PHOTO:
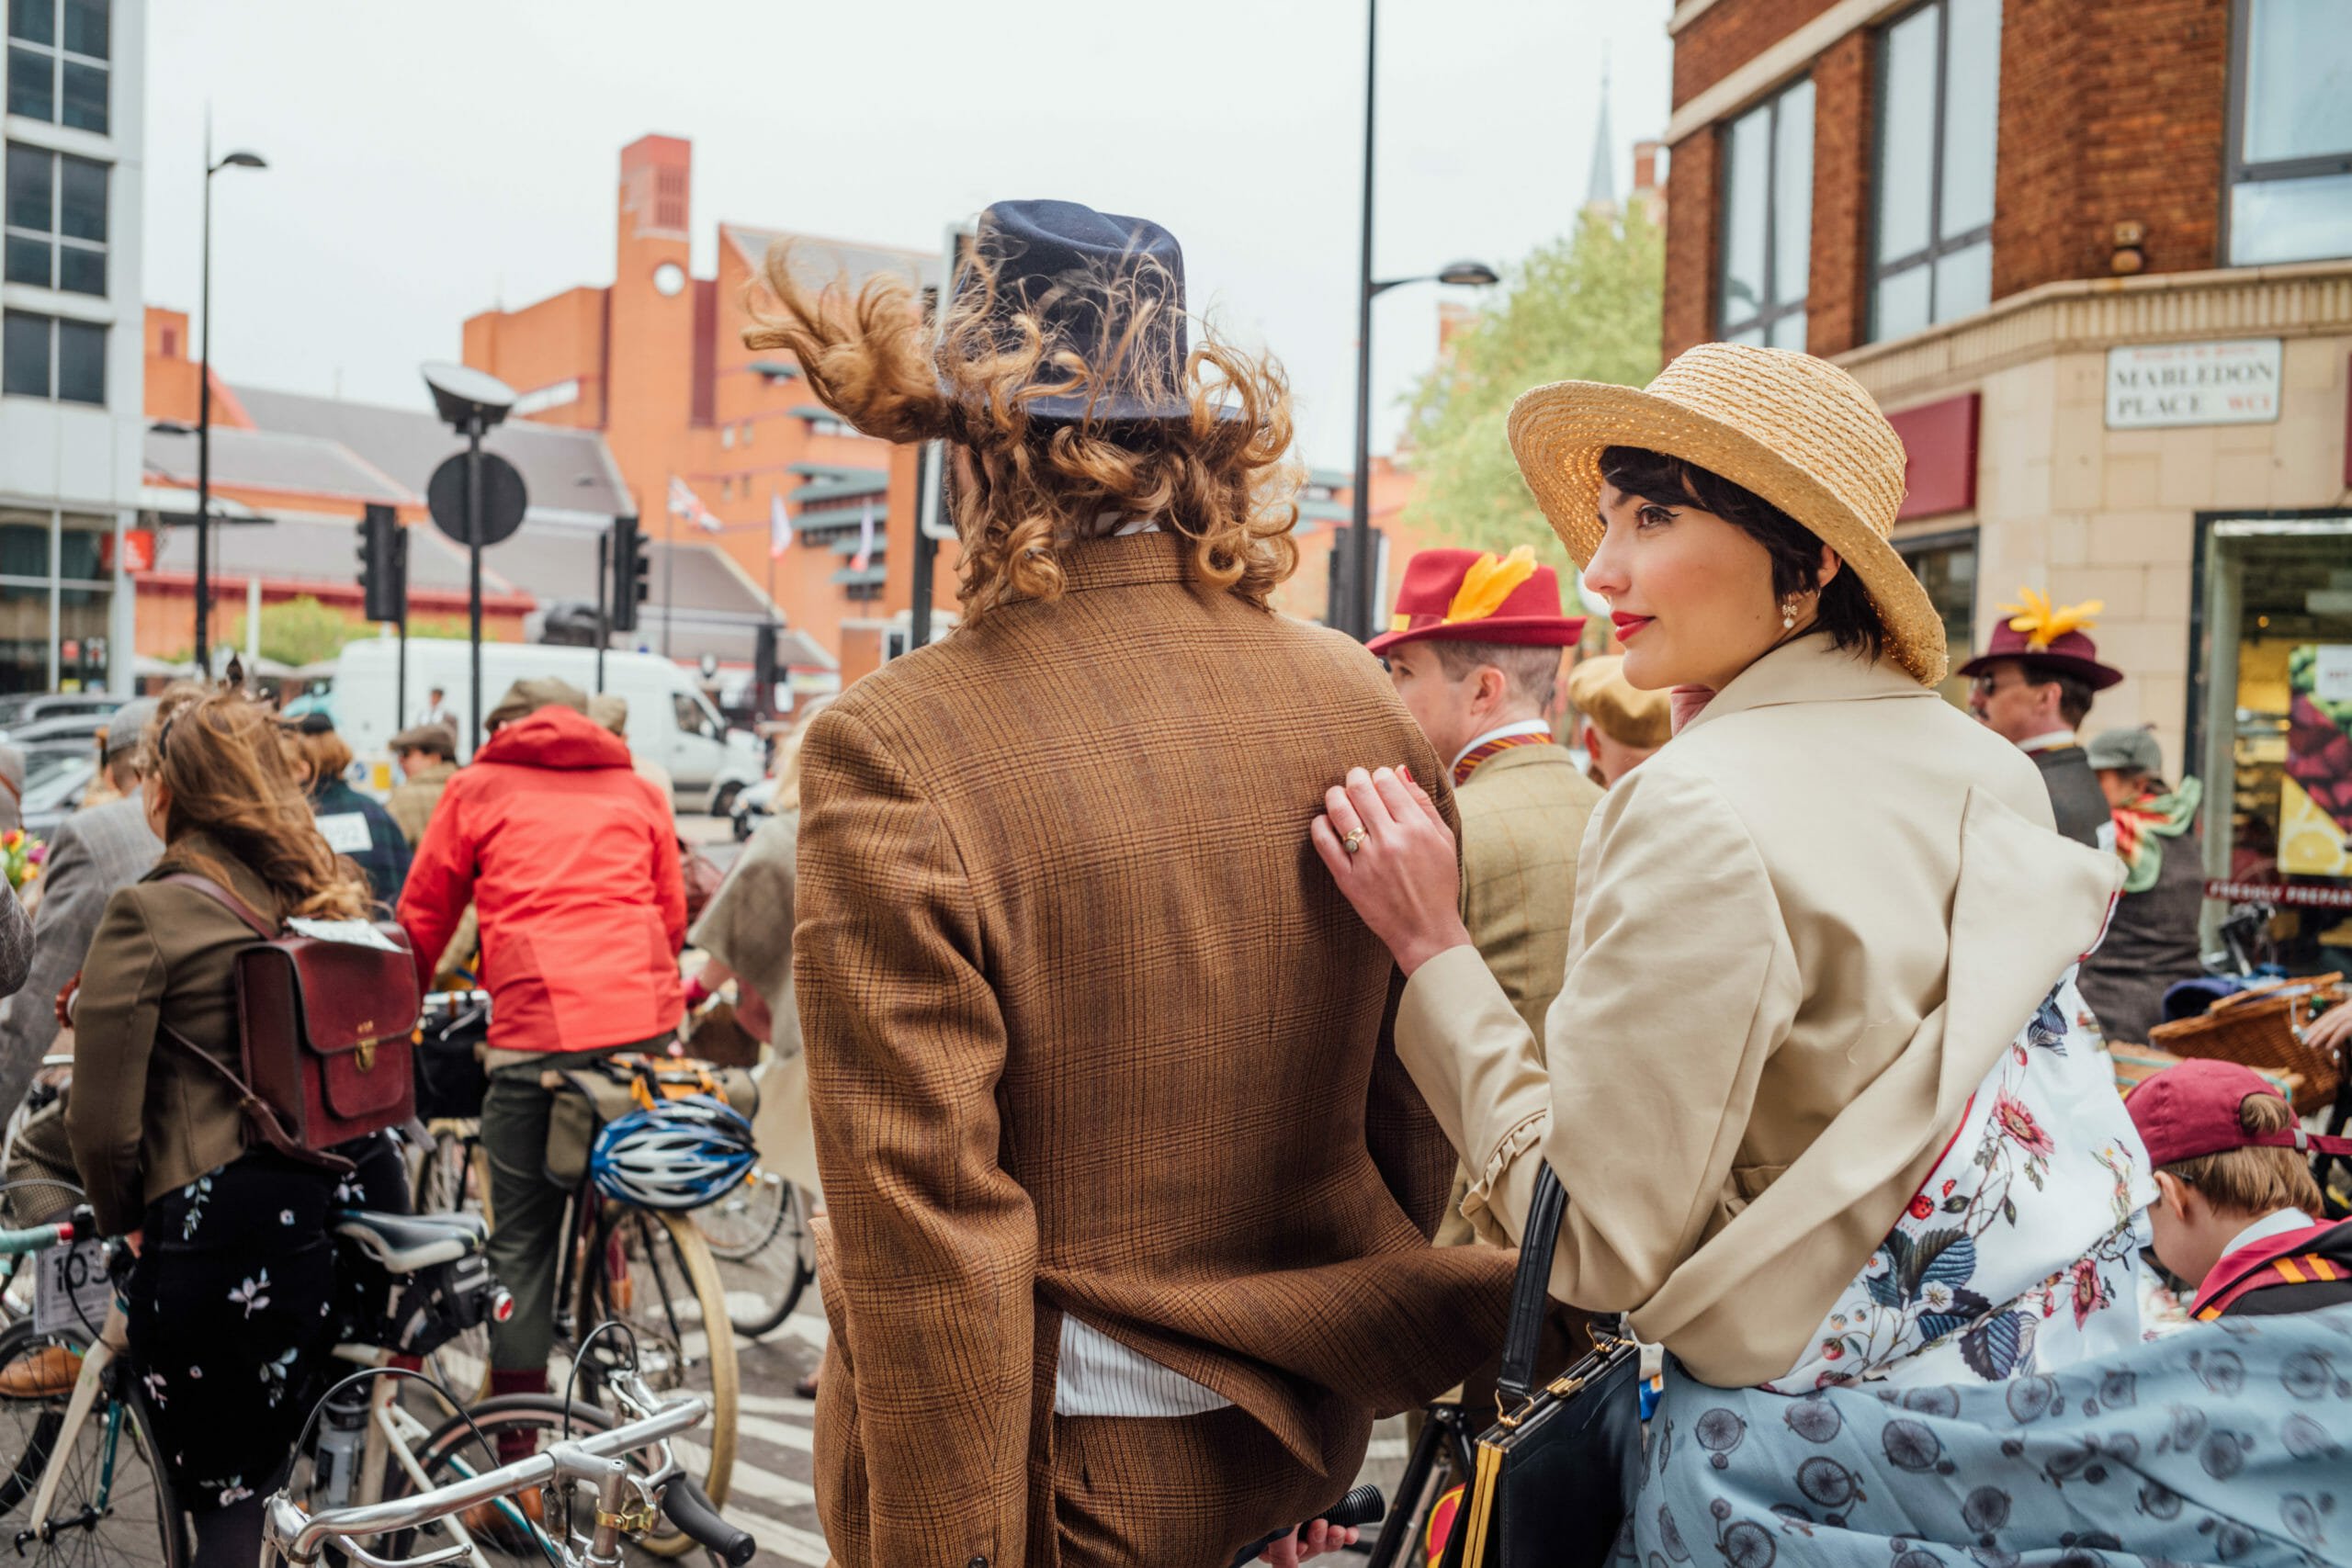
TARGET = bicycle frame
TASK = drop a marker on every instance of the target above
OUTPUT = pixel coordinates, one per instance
(301, 1539)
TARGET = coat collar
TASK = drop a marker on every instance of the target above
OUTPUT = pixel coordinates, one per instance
(1550, 754)
(203, 854)
(1811, 669)
(1126, 561)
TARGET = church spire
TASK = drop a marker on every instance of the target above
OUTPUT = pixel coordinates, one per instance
(1600, 188)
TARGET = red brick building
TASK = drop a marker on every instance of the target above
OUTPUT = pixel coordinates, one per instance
(2091, 255)
(654, 361)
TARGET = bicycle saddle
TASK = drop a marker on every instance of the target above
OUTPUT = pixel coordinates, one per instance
(403, 1244)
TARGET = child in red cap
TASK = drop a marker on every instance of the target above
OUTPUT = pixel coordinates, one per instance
(2236, 1207)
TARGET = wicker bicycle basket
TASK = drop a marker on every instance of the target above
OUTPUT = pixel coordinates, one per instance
(2262, 1027)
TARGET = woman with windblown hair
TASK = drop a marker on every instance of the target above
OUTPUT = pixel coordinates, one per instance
(1129, 1197)
(227, 1304)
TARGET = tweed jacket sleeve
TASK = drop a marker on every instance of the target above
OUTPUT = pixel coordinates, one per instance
(114, 1041)
(16, 945)
(936, 1244)
(73, 895)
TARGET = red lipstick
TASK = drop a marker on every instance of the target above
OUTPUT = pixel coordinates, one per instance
(1627, 624)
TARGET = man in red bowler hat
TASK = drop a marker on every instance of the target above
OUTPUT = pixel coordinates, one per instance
(1474, 651)
(2032, 686)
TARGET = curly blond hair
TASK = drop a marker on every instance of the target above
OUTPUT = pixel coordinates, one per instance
(1028, 487)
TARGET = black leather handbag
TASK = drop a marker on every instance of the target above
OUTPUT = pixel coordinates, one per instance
(1555, 1474)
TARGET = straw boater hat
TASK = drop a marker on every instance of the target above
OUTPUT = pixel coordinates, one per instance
(1796, 429)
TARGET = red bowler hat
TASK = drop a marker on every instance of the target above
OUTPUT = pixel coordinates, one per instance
(2191, 1109)
(1477, 596)
(2050, 637)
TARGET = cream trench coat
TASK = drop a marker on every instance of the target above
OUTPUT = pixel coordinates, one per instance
(1803, 933)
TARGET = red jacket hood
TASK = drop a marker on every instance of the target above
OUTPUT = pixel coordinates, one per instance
(555, 737)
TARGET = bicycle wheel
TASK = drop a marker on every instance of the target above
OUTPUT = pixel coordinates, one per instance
(653, 1272)
(759, 1235)
(113, 1506)
(452, 1179)
(505, 1536)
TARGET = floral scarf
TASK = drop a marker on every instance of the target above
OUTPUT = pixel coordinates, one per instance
(2018, 1254)
(2142, 827)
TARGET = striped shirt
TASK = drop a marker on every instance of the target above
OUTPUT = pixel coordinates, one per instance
(1099, 1376)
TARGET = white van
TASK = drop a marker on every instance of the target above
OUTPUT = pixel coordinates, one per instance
(670, 721)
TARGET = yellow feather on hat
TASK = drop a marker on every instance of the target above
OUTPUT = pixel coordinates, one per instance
(1488, 582)
(2044, 623)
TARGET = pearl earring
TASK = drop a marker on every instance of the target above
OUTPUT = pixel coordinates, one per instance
(1788, 613)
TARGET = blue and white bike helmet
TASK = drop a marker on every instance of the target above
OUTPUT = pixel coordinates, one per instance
(682, 1154)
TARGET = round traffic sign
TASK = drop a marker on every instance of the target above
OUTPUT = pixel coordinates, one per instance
(504, 498)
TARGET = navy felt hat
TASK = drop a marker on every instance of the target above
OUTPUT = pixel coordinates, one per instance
(1052, 260)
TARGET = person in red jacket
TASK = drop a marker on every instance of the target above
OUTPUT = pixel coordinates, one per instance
(572, 864)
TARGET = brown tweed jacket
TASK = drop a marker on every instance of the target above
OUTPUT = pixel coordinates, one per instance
(1091, 1030)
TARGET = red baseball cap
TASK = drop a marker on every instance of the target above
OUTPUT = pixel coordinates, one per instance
(2191, 1109)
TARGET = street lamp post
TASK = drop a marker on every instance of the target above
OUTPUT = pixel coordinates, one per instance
(1358, 619)
(204, 414)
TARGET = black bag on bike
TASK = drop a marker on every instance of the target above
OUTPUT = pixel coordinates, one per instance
(1555, 1474)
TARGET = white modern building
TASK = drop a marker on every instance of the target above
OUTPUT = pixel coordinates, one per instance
(71, 355)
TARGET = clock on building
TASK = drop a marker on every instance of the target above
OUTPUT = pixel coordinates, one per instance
(669, 278)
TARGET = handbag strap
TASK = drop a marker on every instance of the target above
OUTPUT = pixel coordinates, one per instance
(226, 899)
(1530, 1288)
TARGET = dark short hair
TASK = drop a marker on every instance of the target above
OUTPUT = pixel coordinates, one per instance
(1845, 610)
(2074, 694)
(1532, 673)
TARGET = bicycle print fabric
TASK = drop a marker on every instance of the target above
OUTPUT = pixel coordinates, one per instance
(2222, 1444)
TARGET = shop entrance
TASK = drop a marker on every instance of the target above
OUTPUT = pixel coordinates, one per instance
(2270, 722)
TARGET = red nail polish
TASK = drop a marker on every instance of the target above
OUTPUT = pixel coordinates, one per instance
(1405, 772)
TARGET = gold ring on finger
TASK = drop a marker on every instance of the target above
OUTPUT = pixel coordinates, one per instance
(1353, 841)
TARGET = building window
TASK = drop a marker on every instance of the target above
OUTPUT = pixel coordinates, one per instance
(1938, 100)
(56, 220)
(43, 357)
(57, 61)
(1767, 220)
(1945, 564)
(2291, 132)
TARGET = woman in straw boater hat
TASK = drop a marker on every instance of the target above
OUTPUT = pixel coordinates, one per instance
(1834, 1157)
(1128, 1200)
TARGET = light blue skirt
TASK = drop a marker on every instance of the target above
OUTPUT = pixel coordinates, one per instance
(2229, 1443)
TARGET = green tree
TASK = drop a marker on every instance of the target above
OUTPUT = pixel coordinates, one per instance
(1584, 307)
(299, 631)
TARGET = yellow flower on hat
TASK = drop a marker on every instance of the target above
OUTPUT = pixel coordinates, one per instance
(1488, 582)
(2044, 623)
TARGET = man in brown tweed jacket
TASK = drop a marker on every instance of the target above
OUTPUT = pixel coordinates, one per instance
(1129, 1196)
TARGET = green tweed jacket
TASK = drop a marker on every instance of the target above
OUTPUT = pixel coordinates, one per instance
(1523, 813)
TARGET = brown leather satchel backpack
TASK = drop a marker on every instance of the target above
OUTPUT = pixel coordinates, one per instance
(326, 1030)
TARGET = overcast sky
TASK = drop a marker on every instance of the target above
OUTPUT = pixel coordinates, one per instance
(434, 159)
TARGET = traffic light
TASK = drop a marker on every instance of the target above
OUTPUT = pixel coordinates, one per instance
(383, 565)
(764, 667)
(631, 574)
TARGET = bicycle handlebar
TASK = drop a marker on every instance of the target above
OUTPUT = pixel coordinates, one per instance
(300, 1538)
(40, 1238)
(1363, 1505)
(689, 1509)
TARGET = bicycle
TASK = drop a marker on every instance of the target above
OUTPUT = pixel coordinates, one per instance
(514, 1501)
(82, 1460)
(766, 1254)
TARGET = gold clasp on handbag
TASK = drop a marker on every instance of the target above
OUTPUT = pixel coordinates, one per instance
(366, 1051)
(1509, 1420)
